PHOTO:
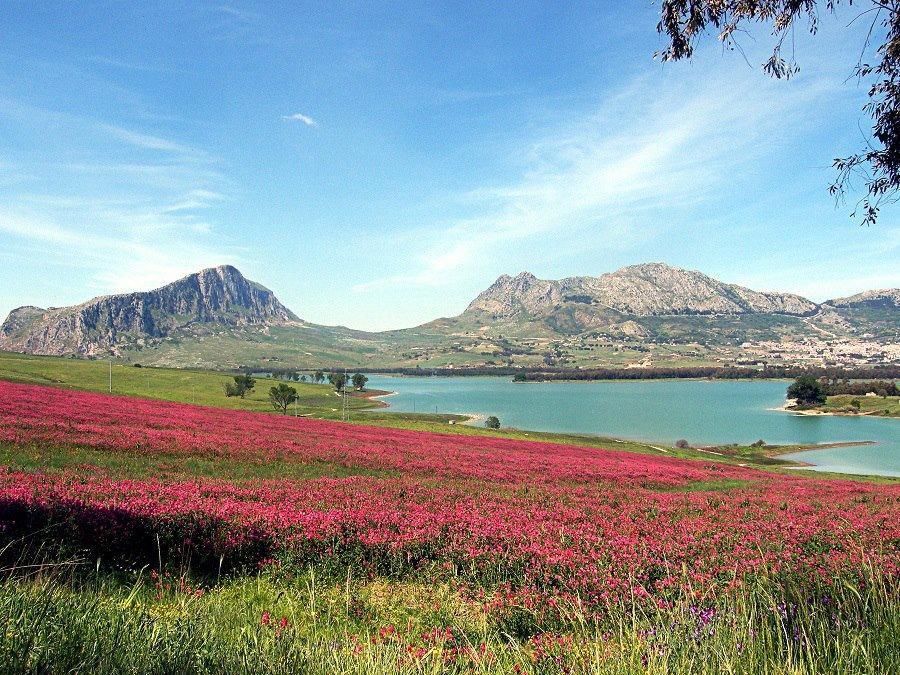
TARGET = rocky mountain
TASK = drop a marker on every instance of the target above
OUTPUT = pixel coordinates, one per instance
(639, 315)
(216, 296)
(653, 289)
(887, 298)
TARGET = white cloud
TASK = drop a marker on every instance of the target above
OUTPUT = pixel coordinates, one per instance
(196, 199)
(127, 257)
(615, 174)
(146, 141)
(122, 225)
(300, 117)
(128, 65)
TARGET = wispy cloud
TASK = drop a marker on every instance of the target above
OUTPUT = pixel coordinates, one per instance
(129, 65)
(133, 256)
(146, 141)
(123, 225)
(300, 117)
(610, 176)
(235, 24)
(196, 199)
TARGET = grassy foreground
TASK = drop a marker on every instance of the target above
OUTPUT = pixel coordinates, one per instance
(144, 537)
(57, 621)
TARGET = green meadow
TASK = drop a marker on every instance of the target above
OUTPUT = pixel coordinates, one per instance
(318, 401)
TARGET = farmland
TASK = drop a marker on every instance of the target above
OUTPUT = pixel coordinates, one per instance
(159, 536)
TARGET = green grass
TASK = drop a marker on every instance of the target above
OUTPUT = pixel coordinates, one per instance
(54, 620)
(888, 406)
(186, 386)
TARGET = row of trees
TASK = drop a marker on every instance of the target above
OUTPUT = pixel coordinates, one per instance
(339, 381)
(812, 391)
(540, 374)
(283, 395)
(861, 388)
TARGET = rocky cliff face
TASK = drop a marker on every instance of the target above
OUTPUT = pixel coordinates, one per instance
(653, 289)
(220, 295)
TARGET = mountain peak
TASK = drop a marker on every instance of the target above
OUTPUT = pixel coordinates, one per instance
(215, 295)
(646, 289)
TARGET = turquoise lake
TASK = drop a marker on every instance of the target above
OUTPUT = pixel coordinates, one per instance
(700, 411)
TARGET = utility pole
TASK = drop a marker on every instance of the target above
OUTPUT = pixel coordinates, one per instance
(110, 374)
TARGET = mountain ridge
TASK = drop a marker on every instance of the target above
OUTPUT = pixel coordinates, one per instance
(218, 318)
(649, 289)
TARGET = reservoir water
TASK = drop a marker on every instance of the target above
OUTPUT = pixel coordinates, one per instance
(700, 411)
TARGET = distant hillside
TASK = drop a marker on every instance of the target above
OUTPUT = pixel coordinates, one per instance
(219, 295)
(650, 315)
(886, 298)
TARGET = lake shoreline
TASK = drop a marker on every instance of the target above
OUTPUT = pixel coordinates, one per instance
(714, 416)
(818, 412)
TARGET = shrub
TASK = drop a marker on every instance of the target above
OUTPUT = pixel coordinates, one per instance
(682, 444)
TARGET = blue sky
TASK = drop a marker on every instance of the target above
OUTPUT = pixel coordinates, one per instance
(378, 164)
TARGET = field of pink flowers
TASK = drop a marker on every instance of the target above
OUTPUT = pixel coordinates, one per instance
(518, 522)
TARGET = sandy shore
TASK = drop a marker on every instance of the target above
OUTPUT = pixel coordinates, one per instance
(378, 393)
(475, 419)
(788, 408)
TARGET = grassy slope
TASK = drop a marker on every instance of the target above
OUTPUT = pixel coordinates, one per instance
(872, 405)
(476, 340)
(73, 618)
(185, 386)
(319, 401)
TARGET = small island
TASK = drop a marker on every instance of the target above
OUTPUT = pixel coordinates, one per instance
(808, 395)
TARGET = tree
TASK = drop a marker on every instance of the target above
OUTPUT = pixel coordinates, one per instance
(682, 444)
(245, 383)
(338, 380)
(807, 390)
(281, 396)
(319, 377)
(492, 422)
(359, 381)
(878, 165)
(242, 384)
